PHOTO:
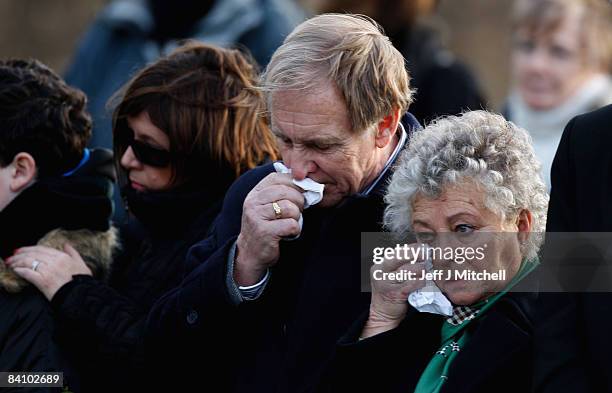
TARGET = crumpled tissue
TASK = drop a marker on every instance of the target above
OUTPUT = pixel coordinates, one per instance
(429, 298)
(313, 191)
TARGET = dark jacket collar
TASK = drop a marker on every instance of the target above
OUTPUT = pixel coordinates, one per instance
(505, 330)
(48, 204)
(170, 213)
(411, 125)
(79, 201)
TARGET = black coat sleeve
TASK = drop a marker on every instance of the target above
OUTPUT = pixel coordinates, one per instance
(91, 314)
(27, 340)
(560, 339)
(358, 365)
(562, 205)
(555, 319)
(387, 362)
(200, 313)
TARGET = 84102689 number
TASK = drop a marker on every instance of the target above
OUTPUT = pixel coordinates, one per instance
(31, 379)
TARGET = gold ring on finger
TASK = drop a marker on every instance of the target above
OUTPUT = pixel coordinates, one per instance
(278, 212)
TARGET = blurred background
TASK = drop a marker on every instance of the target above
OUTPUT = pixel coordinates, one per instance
(538, 62)
(476, 31)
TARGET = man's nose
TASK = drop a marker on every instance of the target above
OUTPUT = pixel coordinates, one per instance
(301, 166)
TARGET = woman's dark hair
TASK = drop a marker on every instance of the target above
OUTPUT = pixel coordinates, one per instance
(205, 99)
(41, 115)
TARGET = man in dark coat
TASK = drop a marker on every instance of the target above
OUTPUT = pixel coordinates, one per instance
(266, 307)
(573, 337)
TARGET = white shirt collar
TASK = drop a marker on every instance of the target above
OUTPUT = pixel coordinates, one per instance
(390, 161)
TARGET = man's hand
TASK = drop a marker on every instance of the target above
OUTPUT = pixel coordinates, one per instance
(261, 230)
(53, 268)
(390, 297)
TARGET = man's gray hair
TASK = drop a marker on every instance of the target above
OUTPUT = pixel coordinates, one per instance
(351, 52)
(477, 146)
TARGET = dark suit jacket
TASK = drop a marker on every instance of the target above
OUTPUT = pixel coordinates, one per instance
(497, 357)
(574, 343)
(581, 176)
(279, 342)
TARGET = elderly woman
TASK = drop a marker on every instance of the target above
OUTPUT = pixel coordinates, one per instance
(185, 128)
(464, 181)
(561, 64)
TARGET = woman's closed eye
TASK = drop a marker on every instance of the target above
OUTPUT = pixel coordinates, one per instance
(322, 148)
(151, 146)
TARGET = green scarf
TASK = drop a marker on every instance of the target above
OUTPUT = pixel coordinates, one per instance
(454, 337)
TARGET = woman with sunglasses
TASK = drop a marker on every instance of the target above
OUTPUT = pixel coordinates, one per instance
(184, 129)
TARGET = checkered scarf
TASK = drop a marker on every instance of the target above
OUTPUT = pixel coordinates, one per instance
(462, 314)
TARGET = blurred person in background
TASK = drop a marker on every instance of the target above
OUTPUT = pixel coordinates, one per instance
(54, 192)
(128, 34)
(561, 61)
(443, 85)
(184, 129)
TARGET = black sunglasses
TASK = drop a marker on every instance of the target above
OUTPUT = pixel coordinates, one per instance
(146, 153)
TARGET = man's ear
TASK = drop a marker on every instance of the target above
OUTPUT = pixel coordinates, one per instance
(524, 223)
(386, 129)
(23, 172)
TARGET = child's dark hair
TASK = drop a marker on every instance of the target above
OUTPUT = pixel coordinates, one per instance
(41, 115)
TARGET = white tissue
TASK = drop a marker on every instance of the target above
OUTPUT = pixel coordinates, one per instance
(429, 298)
(313, 191)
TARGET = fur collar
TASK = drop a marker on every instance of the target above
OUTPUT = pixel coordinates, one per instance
(96, 247)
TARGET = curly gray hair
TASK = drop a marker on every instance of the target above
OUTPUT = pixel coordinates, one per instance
(479, 146)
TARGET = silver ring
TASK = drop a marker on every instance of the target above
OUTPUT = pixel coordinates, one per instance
(35, 265)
